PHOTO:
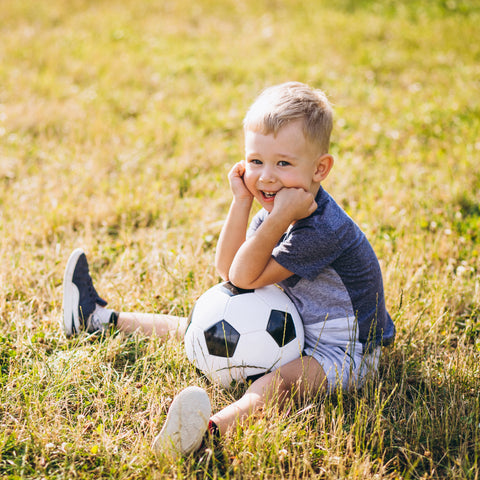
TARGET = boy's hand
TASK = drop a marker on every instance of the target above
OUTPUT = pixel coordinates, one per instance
(294, 204)
(235, 177)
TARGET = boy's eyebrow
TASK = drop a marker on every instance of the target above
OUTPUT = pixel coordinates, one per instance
(286, 155)
(278, 155)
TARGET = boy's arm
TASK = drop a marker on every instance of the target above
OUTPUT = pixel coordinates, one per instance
(234, 230)
(232, 236)
(253, 265)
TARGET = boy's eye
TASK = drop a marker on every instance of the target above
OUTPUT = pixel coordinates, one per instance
(283, 163)
(255, 161)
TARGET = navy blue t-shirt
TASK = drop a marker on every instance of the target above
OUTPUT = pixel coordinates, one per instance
(336, 273)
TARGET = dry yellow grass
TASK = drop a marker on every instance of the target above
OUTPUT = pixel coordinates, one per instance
(118, 124)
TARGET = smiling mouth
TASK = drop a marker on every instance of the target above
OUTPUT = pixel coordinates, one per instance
(269, 194)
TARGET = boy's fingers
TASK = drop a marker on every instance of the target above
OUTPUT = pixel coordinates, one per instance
(238, 169)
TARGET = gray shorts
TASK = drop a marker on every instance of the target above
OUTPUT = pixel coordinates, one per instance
(337, 349)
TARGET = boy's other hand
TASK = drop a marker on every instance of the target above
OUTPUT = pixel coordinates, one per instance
(294, 203)
(235, 177)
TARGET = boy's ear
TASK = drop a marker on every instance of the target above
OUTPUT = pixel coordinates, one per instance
(323, 165)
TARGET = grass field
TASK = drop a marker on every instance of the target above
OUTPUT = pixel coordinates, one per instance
(118, 124)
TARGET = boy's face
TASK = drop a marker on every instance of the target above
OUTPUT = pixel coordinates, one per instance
(285, 161)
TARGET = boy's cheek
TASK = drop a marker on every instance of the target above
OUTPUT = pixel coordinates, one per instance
(247, 178)
(252, 191)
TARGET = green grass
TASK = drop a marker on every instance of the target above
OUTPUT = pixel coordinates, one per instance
(118, 124)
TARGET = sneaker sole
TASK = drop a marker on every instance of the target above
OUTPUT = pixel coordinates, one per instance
(71, 296)
(186, 423)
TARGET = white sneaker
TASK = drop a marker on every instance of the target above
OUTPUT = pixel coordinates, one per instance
(186, 423)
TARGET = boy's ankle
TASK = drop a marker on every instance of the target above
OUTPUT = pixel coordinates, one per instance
(114, 318)
(213, 430)
(102, 319)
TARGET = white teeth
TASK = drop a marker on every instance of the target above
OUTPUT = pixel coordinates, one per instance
(269, 195)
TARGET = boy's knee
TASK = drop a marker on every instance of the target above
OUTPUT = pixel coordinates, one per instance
(303, 377)
(267, 385)
(300, 378)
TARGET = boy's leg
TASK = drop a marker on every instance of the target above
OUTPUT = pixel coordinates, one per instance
(83, 309)
(303, 378)
(187, 419)
(152, 324)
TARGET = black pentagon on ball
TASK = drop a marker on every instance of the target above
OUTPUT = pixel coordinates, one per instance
(221, 339)
(281, 327)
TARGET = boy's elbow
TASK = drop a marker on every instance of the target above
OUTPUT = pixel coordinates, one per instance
(239, 282)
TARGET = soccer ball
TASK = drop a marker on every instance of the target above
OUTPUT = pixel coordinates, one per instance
(234, 334)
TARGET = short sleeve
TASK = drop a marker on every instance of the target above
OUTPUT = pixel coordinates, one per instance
(306, 250)
(257, 220)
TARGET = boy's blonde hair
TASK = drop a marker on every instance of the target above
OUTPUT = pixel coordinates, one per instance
(279, 105)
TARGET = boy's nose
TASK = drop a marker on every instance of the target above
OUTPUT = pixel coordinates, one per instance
(267, 176)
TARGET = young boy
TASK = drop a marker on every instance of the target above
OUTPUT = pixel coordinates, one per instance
(301, 240)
